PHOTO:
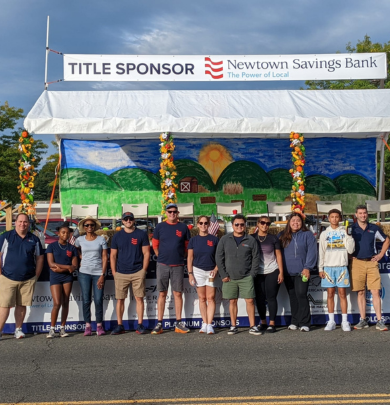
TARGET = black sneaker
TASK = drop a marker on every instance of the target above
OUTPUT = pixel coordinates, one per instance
(233, 330)
(118, 330)
(141, 330)
(254, 330)
(157, 329)
(262, 327)
(271, 329)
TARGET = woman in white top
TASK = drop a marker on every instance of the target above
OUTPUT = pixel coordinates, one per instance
(92, 271)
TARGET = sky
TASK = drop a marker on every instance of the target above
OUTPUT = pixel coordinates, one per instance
(171, 27)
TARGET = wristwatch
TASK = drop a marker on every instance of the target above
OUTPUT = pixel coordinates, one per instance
(190, 272)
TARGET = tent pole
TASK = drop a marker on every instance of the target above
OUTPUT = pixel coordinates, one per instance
(47, 50)
(381, 188)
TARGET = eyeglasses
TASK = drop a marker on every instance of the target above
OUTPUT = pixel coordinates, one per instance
(127, 219)
(203, 223)
(241, 225)
(172, 212)
(265, 223)
(89, 225)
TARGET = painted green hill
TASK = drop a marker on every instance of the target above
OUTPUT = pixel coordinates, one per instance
(281, 179)
(249, 174)
(87, 179)
(320, 185)
(190, 168)
(354, 183)
(136, 179)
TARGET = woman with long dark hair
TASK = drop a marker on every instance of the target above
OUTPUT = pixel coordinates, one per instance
(299, 252)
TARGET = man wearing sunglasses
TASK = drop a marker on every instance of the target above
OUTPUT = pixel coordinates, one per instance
(129, 259)
(170, 241)
(238, 263)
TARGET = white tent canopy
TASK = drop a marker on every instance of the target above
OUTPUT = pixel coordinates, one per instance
(270, 114)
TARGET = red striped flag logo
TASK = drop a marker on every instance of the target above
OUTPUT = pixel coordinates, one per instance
(214, 69)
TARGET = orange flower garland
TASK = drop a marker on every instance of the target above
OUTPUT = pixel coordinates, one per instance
(297, 172)
(167, 171)
(26, 174)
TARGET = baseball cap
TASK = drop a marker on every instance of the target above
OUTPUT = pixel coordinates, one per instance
(171, 205)
(128, 215)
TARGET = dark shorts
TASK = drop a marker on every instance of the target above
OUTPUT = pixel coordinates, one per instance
(173, 273)
(60, 278)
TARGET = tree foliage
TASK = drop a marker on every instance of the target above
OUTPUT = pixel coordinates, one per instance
(365, 46)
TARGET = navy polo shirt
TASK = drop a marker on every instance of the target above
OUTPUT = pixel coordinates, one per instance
(130, 258)
(365, 240)
(19, 255)
(172, 238)
(204, 248)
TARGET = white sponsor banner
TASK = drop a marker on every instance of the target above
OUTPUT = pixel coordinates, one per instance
(224, 67)
(38, 315)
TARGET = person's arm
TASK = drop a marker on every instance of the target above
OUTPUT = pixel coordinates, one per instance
(321, 256)
(39, 265)
(190, 269)
(155, 244)
(220, 259)
(311, 254)
(100, 282)
(113, 257)
(279, 260)
(255, 259)
(146, 253)
(385, 246)
(0, 262)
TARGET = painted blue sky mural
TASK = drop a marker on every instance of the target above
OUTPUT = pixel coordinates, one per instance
(327, 156)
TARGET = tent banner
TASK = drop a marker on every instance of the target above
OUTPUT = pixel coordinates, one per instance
(187, 68)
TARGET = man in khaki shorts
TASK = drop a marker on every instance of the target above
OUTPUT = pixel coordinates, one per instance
(21, 263)
(129, 259)
(365, 269)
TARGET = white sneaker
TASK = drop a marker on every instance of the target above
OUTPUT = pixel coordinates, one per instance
(293, 327)
(346, 326)
(52, 334)
(63, 333)
(331, 325)
(19, 334)
(305, 329)
(210, 330)
(203, 329)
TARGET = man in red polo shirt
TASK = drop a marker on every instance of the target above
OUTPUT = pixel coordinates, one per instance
(170, 241)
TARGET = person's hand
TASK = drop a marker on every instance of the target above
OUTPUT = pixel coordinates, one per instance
(376, 258)
(72, 268)
(306, 272)
(226, 279)
(280, 278)
(321, 274)
(192, 279)
(55, 269)
(100, 283)
(213, 273)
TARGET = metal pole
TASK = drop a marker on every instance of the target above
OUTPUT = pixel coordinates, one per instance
(381, 187)
(47, 50)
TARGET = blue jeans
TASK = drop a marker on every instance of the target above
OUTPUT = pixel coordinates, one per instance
(87, 283)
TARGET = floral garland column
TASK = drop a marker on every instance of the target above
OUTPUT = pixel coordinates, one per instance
(297, 172)
(26, 175)
(167, 171)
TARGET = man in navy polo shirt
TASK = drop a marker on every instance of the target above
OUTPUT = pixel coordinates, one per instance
(129, 259)
(21, 263)
(170, 241)
(365, 269)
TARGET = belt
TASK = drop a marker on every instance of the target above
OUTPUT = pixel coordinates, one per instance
(365, 260)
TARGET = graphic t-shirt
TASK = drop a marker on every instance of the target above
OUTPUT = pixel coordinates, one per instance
(172, 238)
(130, 258)
(267, 246)
(91, 255)
(204, 248)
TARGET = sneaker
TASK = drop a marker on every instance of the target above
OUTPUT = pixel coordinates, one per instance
(255, 331)
(141, 330)
(233, 330)
(270, 329)
(262, 327)
(19, 334)
(118, 330)
(331, 325)
(305, 329)
(203, 329)
(63, 333)
(88, 331)
(362, 324)
(380, 325)
(100, 331)
(346, 326)
(210, 330)
(157, 329)
(293, 327)
(181, 327)
(52, 334)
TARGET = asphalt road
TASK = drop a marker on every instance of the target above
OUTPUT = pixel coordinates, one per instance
(171, 366)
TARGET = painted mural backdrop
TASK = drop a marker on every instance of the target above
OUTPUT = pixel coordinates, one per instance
(250, 170)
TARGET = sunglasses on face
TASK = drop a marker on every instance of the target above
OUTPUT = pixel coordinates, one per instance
(265, 223)
(203, 223)
(127, 219)
(241, 225)
(89, 225)
(172, 212)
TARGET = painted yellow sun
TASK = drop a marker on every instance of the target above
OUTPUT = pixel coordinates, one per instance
(214, 158)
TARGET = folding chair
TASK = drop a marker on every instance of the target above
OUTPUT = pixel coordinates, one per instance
(82, 211)
(139, 211)
(228, 208)
(279, 208)
(186, 210)
(378, 206)
(323, 207)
